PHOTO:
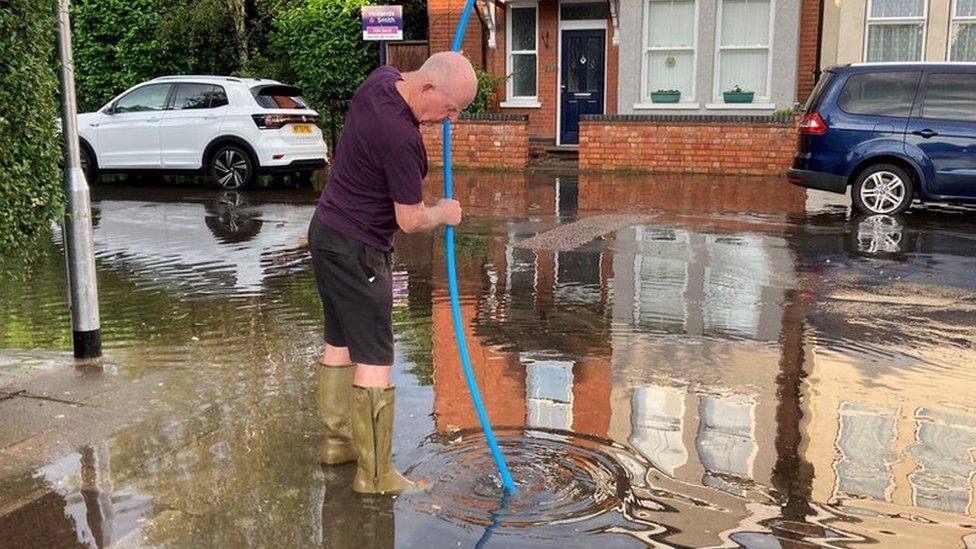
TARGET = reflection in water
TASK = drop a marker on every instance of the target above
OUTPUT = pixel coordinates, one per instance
(736, 371)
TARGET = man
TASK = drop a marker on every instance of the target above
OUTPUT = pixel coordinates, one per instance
(374, 188)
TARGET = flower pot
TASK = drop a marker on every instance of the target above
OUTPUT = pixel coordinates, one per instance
(738, 97)
(665, 97)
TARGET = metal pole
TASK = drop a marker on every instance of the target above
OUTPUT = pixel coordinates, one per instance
(382, 52)
(77, 228)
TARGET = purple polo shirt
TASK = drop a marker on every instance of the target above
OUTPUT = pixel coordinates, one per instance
(380, 159)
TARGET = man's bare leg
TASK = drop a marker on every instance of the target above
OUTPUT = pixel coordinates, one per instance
(334, 356)
(372, 375)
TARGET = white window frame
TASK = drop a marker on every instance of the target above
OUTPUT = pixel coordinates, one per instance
(645, 94)
(879, 21)
(761, 100)
(955, 22)
(511, 100)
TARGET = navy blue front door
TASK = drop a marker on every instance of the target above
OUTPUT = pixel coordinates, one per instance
(582, 88)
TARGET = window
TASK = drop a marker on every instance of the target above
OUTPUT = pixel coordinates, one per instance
(199, 96)
(669, 47)
(882, 94)
(950, 97)
(744, 46)
(522, 52)
(581, 11)
(146, 98)
(896, 30)
(962, 34)
(279, 97)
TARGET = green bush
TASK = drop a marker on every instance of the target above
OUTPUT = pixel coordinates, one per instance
(487, 94)
(318, 46)
(30, 189)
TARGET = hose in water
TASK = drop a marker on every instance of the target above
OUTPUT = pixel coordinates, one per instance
(452, 284)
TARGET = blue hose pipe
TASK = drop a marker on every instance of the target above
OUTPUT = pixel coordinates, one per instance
(453, 287)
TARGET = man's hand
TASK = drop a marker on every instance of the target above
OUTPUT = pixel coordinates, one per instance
(417, 218)
(450, 211)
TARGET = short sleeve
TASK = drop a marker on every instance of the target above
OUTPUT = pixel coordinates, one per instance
(405, 168)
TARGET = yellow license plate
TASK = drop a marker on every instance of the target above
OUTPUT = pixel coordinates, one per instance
(304, 129)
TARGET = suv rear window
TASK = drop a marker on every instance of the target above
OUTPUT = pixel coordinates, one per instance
(813, 102)
(279, 97)
(950, 97)
(884, 94)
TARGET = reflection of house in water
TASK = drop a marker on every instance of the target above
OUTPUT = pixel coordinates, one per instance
(691, 347)
(911, 442)
(584, 340)
(888, 412)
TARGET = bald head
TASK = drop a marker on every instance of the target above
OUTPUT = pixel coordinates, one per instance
(451, 70)
(444, 86)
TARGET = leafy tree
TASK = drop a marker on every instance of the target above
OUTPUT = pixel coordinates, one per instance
(317, 45)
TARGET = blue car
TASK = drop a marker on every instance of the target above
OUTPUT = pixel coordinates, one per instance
(893, 132)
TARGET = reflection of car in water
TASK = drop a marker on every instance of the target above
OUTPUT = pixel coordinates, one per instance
(930, 247)
(200, 241)
(230, 219)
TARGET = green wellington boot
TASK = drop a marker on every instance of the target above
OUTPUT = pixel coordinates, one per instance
(372, 433)
(335, 388)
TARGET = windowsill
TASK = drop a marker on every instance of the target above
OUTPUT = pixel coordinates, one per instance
(666, 106)
(520, 104)
(741, 106)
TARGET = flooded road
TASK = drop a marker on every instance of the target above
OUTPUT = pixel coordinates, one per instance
(668, 361)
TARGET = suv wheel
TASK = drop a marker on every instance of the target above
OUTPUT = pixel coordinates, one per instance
(232, 168)
(88, 166)
(883, 189)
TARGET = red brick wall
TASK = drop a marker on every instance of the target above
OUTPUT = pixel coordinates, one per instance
(807, 48)
(480, 144)
(713, 147)
(443, 16)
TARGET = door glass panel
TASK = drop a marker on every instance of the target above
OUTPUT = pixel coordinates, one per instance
(147, 98)
(193, 96)
(575, 67)
(951, 97)
(594, 62)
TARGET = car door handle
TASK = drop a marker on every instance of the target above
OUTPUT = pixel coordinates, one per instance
(151, 120)
(210, 117)
(926, 133)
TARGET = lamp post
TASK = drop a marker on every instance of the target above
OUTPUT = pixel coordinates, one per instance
(77, 229)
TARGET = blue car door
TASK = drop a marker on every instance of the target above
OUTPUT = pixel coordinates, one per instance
(943, 131)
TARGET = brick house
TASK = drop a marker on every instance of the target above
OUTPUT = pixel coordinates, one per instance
(898, 30)
(570, 58)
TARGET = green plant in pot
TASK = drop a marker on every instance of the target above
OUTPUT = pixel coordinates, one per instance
(666, 96)
(738, 95)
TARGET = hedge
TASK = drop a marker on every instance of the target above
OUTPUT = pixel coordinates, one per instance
(30, 188)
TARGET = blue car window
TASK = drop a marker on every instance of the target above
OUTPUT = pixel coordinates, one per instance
(950, 97)
(880, 94)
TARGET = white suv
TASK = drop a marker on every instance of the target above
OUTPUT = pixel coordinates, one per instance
(231, 128)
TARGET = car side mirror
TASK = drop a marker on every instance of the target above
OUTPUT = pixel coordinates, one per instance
(110, 110)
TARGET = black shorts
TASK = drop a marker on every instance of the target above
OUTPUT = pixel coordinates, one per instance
(356, 287)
